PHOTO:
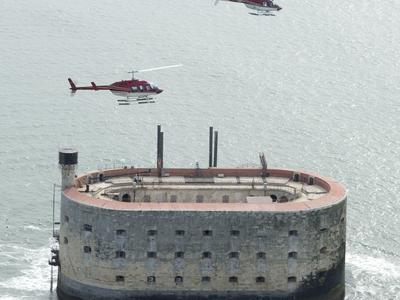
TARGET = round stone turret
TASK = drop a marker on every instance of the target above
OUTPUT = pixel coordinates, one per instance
(68, 160)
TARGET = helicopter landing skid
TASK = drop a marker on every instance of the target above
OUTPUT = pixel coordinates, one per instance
(267, 14)
(135, 101)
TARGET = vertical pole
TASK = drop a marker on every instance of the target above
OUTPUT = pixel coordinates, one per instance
(158, 141)
(210, 148)
(162, 149)
(54, 204)
(215, 148)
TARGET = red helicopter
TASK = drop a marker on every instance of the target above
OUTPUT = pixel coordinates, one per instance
(263, 7)
(135, 90)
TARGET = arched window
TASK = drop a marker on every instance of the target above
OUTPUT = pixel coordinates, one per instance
(126, 198)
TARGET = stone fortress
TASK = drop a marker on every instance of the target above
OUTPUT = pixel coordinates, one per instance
(213, 233)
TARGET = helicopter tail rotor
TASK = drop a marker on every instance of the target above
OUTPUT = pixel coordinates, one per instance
(73, 86)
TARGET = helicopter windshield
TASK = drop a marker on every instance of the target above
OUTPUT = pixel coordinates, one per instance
(153, 86)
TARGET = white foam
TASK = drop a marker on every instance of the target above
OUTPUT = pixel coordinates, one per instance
(34, 272)
(374, 265)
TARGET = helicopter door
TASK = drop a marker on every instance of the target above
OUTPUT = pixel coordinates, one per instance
(141, 88)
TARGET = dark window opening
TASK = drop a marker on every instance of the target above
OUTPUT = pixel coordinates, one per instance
(178, 279)
(180, 232)
(233, 279)
(261, 255)
(87, 227)
(296, 177)
(151, 279)
(126, 198)
(207, 233)
(207, 254)
(87, 249)
(199, 198)
(260, 279)
(235, 232)
(179, 254)
(225, 199)
(119, 254)
(292, 279)
(292, 255)
(206, 279)
(115, 197)
(283, 199)
(119, 278)
(65, 240)
(310, 180)
(323, 229)
(121, 232)
(293, 233)
(274, 198)
(234, 255)
(323, 250)
(66, 219)
(152, 254)
(152, 232)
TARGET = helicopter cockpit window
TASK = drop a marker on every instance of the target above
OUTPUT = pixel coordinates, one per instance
(148, 88)
(153, 86)
(134, 89)
(141, 88)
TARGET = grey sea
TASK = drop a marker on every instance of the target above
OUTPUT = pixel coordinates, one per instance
(316, 87)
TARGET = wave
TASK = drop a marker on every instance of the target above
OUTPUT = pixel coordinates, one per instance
(34, 270)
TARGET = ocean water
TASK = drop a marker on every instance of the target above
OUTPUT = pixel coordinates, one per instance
(316, 88)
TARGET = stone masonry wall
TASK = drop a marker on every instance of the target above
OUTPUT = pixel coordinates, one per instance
(153, 251)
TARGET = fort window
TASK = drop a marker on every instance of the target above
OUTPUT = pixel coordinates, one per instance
(292, 279)
(292, 255)
(179, 254)
(225, 198)
(293, 233)
(178, 279)
(173, 198)
(115, 197)
(199, 198)
(65, 240)
(323, 250)
(180, 232)
(66, 219)
(235, 232)
(119, 254)
(260, 279)
(87, 227)
(234, 255)
(274, 198)
(206, 279)
(121, 232)
(233, 279)
(151, 279)
(296, 177)
(283, 199)
(206, 254)
(119, 278)
(323, 230)
(207, 233)
(87, 249)
(261, 255)
(310, 180)
(146, 198)
(126, 198)
(152, 232)
(152, 254)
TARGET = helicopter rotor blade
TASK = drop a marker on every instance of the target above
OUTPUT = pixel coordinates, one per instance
(158, 68)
